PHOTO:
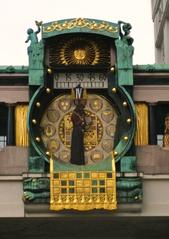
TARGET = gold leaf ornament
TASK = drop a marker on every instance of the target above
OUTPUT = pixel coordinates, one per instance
(80, 22)
(79, 51)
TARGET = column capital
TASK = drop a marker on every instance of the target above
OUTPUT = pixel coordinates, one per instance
(10, 104)
(152, 103)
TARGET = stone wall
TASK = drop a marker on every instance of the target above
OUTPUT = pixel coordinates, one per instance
(153, 159)
(13, 160)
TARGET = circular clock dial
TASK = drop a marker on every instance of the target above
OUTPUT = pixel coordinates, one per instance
(100, 117)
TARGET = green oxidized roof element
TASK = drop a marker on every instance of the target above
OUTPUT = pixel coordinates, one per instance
(151, 68)
(13, 69)
(80, 25)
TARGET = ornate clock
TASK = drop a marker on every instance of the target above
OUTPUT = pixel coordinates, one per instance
(90, 54)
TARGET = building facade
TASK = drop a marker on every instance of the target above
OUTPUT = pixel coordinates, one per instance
(160, 16)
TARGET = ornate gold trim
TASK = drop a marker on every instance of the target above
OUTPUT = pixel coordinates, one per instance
(83, 190)
(51, 180)
(82, 23)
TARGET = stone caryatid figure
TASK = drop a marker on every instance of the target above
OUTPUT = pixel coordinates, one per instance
(32, 35)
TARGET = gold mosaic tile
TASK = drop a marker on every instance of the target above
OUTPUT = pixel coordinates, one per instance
(87, 182)
(110, 190)
(72, 175)
(94, 175)
(87, 190)
(79, 183)
(102, 175)
(79, 190)
(63, 175)
(110, 182)
(56, 183)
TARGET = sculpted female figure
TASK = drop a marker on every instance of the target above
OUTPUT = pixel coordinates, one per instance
(77, 141)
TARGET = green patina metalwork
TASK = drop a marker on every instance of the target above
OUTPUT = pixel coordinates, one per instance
(14, 69)
(36, 164)
(36, 57)
(128, 164)
(129, 190)
(105, 165)
(136, 68)
(36, 190)
(80, 25)
(124, 129)
(125, 52)
(151, 68)
(36, 68)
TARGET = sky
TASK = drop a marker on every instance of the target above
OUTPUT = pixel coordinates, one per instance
(19, 15)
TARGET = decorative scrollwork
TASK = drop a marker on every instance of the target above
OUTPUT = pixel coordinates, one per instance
(82, 23)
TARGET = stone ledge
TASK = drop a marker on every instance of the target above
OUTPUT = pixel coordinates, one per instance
(39, 210)
(11, 178)
(41, 175)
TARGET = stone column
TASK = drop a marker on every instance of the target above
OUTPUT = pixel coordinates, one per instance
(11, 125)
(152, 124)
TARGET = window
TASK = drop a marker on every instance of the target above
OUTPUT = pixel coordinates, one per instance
(3, 124)
(160, 140)
(162, 109)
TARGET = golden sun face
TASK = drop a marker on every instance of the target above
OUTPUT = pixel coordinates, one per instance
(79, 51)
(80, 54)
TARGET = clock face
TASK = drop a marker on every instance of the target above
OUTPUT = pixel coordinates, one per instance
(50, 125)
(56, 128)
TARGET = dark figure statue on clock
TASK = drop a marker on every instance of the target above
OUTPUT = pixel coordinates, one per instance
(77, 141)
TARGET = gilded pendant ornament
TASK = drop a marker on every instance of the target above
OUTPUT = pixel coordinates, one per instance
(82, 190)
(80, 23)
(64, 155)
(53, 145)
(64, 104)
(107, 115)
(53, 115)
(110, 130)
(49, 130)
(107, 145)
(96, 155)
(96, 104)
